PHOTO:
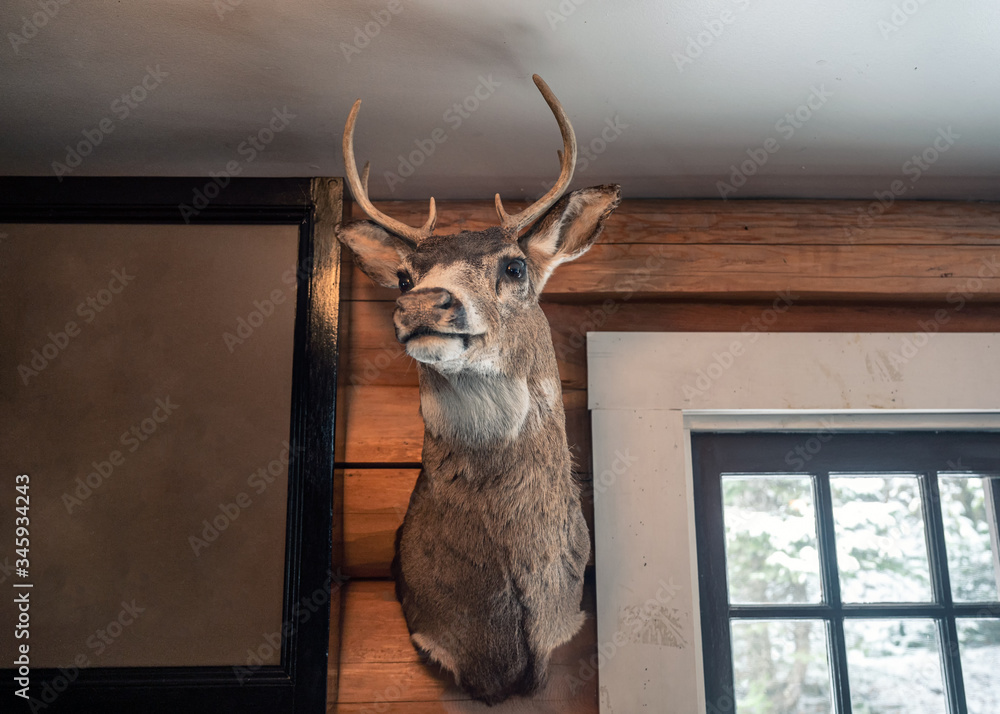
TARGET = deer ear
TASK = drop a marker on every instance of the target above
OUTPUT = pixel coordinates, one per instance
(568, 229)
(378, 252)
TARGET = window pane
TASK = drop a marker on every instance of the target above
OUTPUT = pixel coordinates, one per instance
(780, 667)
(894, 666)
(771, 552)
(971, 558)
(979, 647)
(881, 550)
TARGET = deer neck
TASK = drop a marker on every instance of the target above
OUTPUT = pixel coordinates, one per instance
(479, 411)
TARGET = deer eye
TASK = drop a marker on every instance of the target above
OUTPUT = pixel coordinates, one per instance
(405, 282)
(516, 268)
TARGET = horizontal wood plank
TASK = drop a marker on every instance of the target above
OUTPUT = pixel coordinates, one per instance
(739, 271)
(570, 323)
(374, 358)
(755, 222)
(383, 426)
(378, 665)
(375, 501)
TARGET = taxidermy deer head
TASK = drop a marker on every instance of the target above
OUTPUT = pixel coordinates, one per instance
(490, 557)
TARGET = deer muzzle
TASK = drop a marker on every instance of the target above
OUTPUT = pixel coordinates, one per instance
(432, 323)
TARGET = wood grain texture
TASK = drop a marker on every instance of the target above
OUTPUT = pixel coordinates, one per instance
(383, 426)
(380, 668)
(374, 505)
(741, 271)
(374, 358)
(821, 249)
(755, 222)
(570, 323)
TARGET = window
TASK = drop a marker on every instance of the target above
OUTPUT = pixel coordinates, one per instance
(644, 413)
(849, 572)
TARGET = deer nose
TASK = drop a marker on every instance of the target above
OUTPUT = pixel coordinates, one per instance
(425, 299)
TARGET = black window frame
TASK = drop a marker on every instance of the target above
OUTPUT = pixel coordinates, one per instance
(298, 685)
(925, 453)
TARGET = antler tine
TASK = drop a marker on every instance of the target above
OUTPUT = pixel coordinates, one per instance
(567, 161)
(359, 187)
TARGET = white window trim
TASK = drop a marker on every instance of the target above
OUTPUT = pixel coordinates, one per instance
(649, 391)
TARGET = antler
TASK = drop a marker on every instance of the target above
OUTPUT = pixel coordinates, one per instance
(567, 160)
(359, 187)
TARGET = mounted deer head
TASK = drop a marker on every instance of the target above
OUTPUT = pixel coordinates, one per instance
(490, 557)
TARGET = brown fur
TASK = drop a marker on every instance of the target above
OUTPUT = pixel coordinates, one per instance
(490, 557)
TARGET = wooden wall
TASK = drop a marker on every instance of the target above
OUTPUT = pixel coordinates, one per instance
(660, 266)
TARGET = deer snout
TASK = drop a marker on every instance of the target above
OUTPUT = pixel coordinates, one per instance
(425, 298)
(429, 311)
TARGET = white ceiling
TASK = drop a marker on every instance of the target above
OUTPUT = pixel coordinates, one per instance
(894, 80)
